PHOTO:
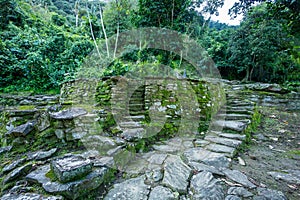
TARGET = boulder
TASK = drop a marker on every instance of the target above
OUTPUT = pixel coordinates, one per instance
(71, 167)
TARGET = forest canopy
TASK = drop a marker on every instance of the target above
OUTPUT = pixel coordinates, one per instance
(44, 42)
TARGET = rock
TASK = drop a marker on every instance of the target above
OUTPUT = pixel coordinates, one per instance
(205, 186)
(29, 196)
(41, 155)
(161, 193)
(20, 171)
(238, 177)
(293, 178)
(223, 141)
(232, 197)
(99, 143)
(43, 122)
(71, 190)
(104, 162)
(241, 161)
(198, 154)
(154, 176)
(239, 191)
(271, 194)
(157, 159)
(5, 149)
(232, 136)
(176, 174)
(68, 114)
(60, 134)
(232, 125)
(130, 189)
(71, 167)
(133, 134)
(13, 165)
(202, 167)
(221, 149)
(21, 130)
(266, 87)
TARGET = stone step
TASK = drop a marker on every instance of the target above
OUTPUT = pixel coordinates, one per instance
(218, 148)
(235, 116)
(133, 134)
(230, 135)
(130, 124)
(231, 125)
(223, 141)
(135, 118)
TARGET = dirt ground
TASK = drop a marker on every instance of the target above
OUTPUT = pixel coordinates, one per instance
(275, 147)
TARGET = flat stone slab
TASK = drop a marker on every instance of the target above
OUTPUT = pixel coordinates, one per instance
(13, 165)
(199, 154)
(161, 193)
(238, 177)
(176, 174)
(239, 191)
(220, 149)
(71, 167)
(18, 172)
(223, 141)
(157, 159)
(205, 186)
(68, 114)
(133, 134)
(290, 176)
(130, 189)
(232, 136)
(200, 167)
(232, 125)
(41, 155)
(269, 194)
(21, 130)
(29, 196)
(5, 149)
(71, 190)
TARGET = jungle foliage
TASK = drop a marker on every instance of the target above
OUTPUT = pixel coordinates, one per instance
(44, 42)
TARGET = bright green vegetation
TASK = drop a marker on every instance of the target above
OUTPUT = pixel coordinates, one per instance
(43, 43)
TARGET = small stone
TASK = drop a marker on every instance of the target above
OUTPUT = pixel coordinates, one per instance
(240, 191)
(241, 161)
(239, 177)
(176, 174)
(161, 193)
(71, 167)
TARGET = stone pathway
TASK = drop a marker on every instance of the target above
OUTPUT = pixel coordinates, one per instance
(177, 168)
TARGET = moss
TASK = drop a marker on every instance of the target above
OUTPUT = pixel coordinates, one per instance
(26, 107)
(294, 152)
(51, 175)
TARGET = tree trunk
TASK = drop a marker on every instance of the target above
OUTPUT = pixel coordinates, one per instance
(104, 31)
